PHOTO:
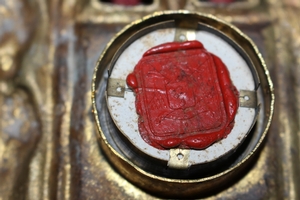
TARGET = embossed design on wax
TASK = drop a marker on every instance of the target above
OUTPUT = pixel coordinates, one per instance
(184, 96)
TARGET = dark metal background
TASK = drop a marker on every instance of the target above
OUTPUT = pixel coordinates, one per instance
(48, 145)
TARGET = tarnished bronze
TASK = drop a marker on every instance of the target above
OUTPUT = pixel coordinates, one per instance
(48, 144)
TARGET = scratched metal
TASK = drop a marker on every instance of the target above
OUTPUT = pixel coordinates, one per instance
(48, 144)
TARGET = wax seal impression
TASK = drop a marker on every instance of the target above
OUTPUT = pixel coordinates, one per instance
(182, 101)
(184, 96)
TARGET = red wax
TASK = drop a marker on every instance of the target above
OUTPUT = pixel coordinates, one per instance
(184, 96)
(131, 81)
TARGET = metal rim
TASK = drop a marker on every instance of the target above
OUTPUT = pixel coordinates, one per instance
(233, 33)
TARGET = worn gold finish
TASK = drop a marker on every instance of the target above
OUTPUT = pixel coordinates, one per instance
(48, 145)
(97, 11)
(235, 5)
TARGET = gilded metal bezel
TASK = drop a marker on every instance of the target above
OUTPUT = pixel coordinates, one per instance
(182, 187)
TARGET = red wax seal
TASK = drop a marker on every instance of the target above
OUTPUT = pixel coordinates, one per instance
(184, 96)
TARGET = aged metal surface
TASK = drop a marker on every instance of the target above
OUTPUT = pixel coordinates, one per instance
(115, 87)
(248, 99)
(179, 158)
(48, 145)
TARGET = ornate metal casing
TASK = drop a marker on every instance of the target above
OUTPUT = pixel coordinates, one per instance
(150, 173)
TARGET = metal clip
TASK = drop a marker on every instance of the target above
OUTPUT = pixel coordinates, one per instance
(116, 87)
(179, 158)
(182, 34)
(248, 99)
